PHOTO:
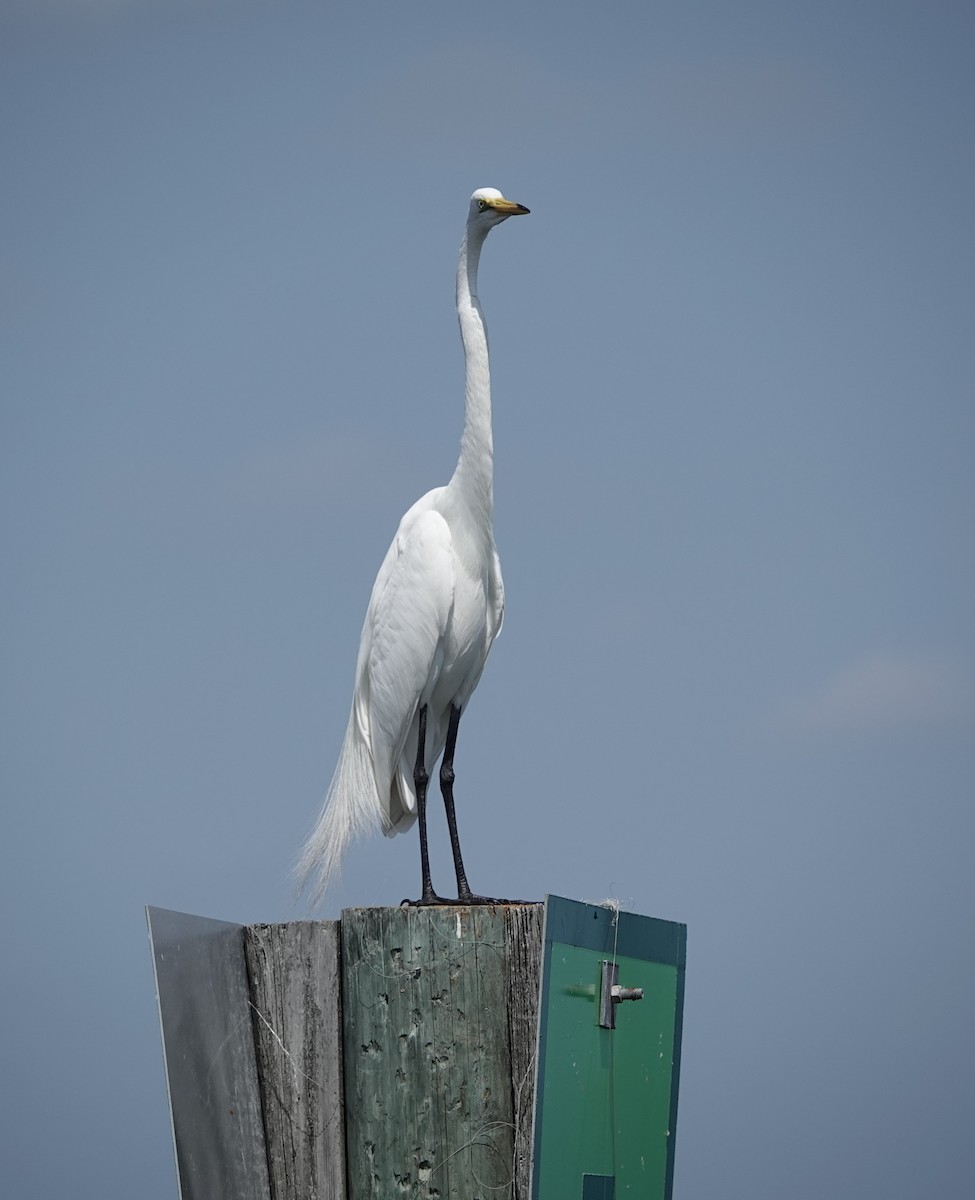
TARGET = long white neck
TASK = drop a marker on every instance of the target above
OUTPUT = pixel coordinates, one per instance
(473, 479)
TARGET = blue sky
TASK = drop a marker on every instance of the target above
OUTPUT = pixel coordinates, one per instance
(732, 366)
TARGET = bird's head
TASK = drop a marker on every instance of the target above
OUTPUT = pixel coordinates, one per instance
(489, 208)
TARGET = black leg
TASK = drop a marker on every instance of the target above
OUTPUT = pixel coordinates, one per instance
(447, 788)
(420, 780)
(464, 893)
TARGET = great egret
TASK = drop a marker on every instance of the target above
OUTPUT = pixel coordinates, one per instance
(435, 610)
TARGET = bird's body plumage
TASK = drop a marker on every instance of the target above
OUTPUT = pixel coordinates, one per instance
(435, 610)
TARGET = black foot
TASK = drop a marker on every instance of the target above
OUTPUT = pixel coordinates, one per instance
(470, 897)
(428, 899)
(465, 901)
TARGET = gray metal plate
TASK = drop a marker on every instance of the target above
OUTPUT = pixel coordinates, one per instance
(208, 1045)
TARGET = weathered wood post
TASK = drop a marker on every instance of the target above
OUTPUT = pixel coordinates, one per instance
(296, 1008)
(440, 1020)
(395, 1051)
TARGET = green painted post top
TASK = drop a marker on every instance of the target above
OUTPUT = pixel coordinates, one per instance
(606, 1099)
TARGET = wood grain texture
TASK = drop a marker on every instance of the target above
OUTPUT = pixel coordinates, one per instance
(523, 942)
(429, 1015)
(296, 1002)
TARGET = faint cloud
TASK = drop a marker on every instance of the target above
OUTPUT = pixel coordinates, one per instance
(884, 693)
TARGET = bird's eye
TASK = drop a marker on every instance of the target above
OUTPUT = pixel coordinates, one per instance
(482, 205)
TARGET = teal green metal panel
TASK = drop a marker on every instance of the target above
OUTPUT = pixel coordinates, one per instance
(606, 1099)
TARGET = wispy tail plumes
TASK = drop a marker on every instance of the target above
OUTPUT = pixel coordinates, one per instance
(351, 808)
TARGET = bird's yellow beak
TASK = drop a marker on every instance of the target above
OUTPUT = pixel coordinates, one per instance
(508, 207)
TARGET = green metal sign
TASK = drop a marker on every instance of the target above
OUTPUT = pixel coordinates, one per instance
(609, 1054)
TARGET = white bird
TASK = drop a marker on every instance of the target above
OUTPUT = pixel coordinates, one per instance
(435, 610)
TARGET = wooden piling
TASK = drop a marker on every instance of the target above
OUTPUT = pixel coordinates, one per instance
(296, 1007)
(392, 1054)
(440, 1017)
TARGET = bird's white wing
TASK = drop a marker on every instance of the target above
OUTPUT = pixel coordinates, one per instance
(401, 653)
(496, 596)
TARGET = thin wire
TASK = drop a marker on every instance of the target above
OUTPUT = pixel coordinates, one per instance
(614, 907)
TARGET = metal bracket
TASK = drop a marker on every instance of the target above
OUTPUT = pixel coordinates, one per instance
(611, 994)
